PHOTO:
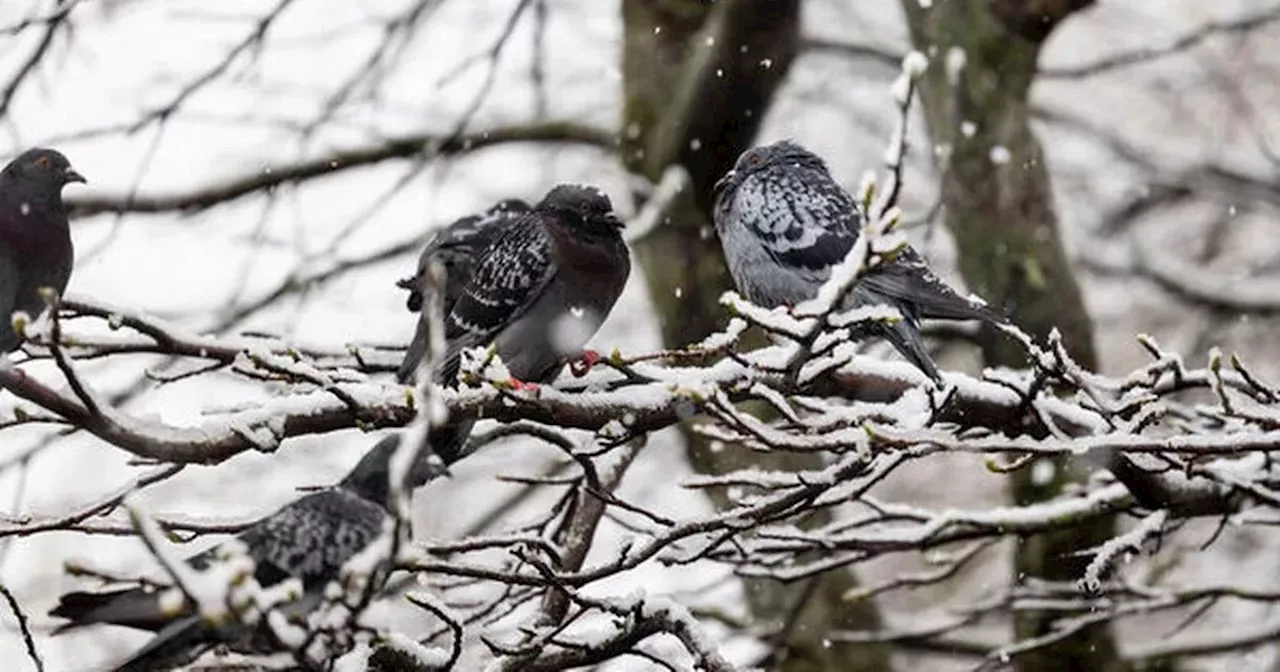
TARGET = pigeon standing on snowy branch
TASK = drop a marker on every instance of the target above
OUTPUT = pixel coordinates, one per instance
(538, 291)
(309, 540)
(456, 248)
(784, 223)
(543, 287)
(35, 240)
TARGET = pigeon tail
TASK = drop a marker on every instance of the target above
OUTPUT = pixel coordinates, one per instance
(177, 644)
(128, 607)
(904, 336)
(907, 281)
(952, 306)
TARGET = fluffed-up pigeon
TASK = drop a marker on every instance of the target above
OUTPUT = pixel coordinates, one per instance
(308, 539)
(784, 223)
(539, 292)
(543, 287)
(35, 240)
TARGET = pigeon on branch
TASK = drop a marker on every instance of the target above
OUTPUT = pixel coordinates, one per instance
(543, 287)
(35, 239)
(784, 224)
(538, 292)
(310, 540)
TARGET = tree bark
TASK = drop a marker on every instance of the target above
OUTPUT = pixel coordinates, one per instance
(999, 206)
(698, 78)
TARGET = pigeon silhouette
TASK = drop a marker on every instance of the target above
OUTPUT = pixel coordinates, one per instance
(456, 248)
(784, 223)
(308, 539)
(35, 239)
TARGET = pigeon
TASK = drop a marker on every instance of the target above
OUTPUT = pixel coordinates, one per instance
(308, 539)
(35, 240)
(784, 223)
(543, 287)
(539, 291)
(455, 247)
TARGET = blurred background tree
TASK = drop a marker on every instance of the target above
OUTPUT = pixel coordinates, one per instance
(997, 200)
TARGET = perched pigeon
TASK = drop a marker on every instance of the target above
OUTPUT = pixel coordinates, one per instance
(455, 248)
(35, 241)
(543, 287)
(784, 222)
(539, 291)
(309, 539)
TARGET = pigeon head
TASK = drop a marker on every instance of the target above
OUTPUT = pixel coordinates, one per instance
(587, 208)
(765, 157)
(42, 167)
(370, 478)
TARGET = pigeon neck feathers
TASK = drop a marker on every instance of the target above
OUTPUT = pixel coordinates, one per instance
(370, 478)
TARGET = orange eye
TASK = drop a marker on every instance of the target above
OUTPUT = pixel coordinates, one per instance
(753, 160)
(43, 163)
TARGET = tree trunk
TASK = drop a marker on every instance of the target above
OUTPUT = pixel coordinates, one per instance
(698, 78)
(999, 206)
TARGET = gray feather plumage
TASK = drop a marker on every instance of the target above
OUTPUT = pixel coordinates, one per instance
(309, 539)
(784, 222)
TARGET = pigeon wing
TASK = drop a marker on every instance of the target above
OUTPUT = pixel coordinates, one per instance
(457, 248)
(805, 221)
(10, 286)
(452, 247)
(311, 538)
(514, 271)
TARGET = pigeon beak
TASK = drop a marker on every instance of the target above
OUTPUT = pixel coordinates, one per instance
(615, 221)
(70, 175)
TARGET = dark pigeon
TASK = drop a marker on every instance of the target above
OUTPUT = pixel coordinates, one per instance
(309, 539)
(35, 240)
(543, 287)
(456, 248)
(784, 223)
(539, 292)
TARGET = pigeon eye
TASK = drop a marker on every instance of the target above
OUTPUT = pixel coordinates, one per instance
(753, 160)
(43, 163)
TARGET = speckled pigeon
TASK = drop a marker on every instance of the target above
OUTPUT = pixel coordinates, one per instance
(35, 240)
(539, 291)
(456, 248)
(543, 287)
(784, 223)
(308, 539)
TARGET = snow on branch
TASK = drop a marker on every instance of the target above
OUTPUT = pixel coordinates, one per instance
(1169, 456)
